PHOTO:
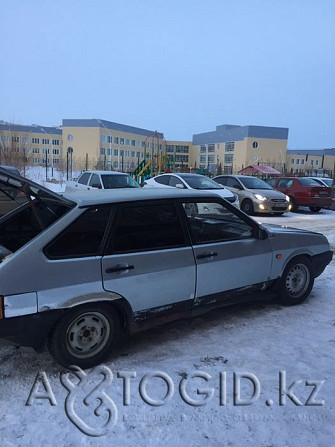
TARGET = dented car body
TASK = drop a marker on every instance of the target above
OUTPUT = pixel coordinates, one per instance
(80, 271)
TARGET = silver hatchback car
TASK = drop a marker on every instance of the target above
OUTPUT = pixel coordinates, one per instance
(94, 267)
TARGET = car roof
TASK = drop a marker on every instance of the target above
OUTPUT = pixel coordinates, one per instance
(104, 196)
(104, 172)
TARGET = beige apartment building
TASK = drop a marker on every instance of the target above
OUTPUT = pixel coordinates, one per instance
(231, 148)
(81, 144)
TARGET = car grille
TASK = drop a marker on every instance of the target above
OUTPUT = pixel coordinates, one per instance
(279, 201)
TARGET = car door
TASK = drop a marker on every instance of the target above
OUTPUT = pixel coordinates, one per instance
(149, 259)
(229, 253)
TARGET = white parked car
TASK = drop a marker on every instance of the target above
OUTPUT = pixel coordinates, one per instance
(101, 180)
(191, 181)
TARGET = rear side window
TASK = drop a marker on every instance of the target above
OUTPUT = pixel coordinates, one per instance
(146, 227)
(163, 180)
(83, 179)
(82, 238)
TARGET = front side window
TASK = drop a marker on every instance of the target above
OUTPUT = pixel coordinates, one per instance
(82, 238)
(147, 227)
(95, 181)
(174, 181)
(212, 222)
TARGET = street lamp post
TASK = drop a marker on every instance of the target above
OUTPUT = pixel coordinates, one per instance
(110, 143)
(46, 156)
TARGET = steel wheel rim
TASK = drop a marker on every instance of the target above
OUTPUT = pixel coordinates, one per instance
(88, 334)
(297, 280)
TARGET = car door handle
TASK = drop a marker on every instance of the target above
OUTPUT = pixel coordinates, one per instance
(119, 268)
(207, 255)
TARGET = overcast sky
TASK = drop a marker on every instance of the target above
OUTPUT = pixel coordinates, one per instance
(177, 66)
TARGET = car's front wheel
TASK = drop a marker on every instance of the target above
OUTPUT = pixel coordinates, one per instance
(297, 281)
(247, 206)
(85, 336)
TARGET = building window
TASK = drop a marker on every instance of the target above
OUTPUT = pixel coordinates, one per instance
(127, 142)
(203, 158)
(292, 161)
(211, 148)
(55, 151)
(116, 152)
(102, 151)
(122, 141)
(109, 139)
(133, 154)
(121, 153)
(210, 159)
(35, 140)
(55, 142)
(116, 140)
(228, 158)
(302, 161)
(45, 140)
(230, 146)
(297, 161)
(255, 145)
(36, 150)
(203, 149)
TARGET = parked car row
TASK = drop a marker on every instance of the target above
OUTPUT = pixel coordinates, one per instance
(95, 267)
(304, 191)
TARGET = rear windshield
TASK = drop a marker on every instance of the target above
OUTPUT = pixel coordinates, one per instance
(118, 181)
(308, 181)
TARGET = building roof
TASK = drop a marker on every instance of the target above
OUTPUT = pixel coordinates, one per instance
(109, 125)
(227, 132)
(316, 152)
(33, 128)
(253, 169)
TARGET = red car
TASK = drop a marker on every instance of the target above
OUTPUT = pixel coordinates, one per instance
(303, 191)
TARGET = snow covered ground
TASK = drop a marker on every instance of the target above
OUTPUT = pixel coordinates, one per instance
(262, 339)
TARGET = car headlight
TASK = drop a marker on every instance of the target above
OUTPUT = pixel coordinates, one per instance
(287, 198)
(260, 197)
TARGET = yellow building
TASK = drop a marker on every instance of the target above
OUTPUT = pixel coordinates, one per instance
(100, 144)
(231, 148)
(24, 146)
(81, 144)
(311, 162)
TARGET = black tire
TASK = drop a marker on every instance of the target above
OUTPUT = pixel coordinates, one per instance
(247, 207)
(315, 209)
(297, 281)
(294, 206)
(85, 336)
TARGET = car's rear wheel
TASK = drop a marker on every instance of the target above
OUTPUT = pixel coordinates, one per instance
(315, 209)
(297, 281)
(247, 206)
(85, 336)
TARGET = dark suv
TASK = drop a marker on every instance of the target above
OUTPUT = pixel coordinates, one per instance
(303, 191)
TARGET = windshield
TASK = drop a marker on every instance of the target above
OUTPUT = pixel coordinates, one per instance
(113, 181)
(201, 182)
(254, 183)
